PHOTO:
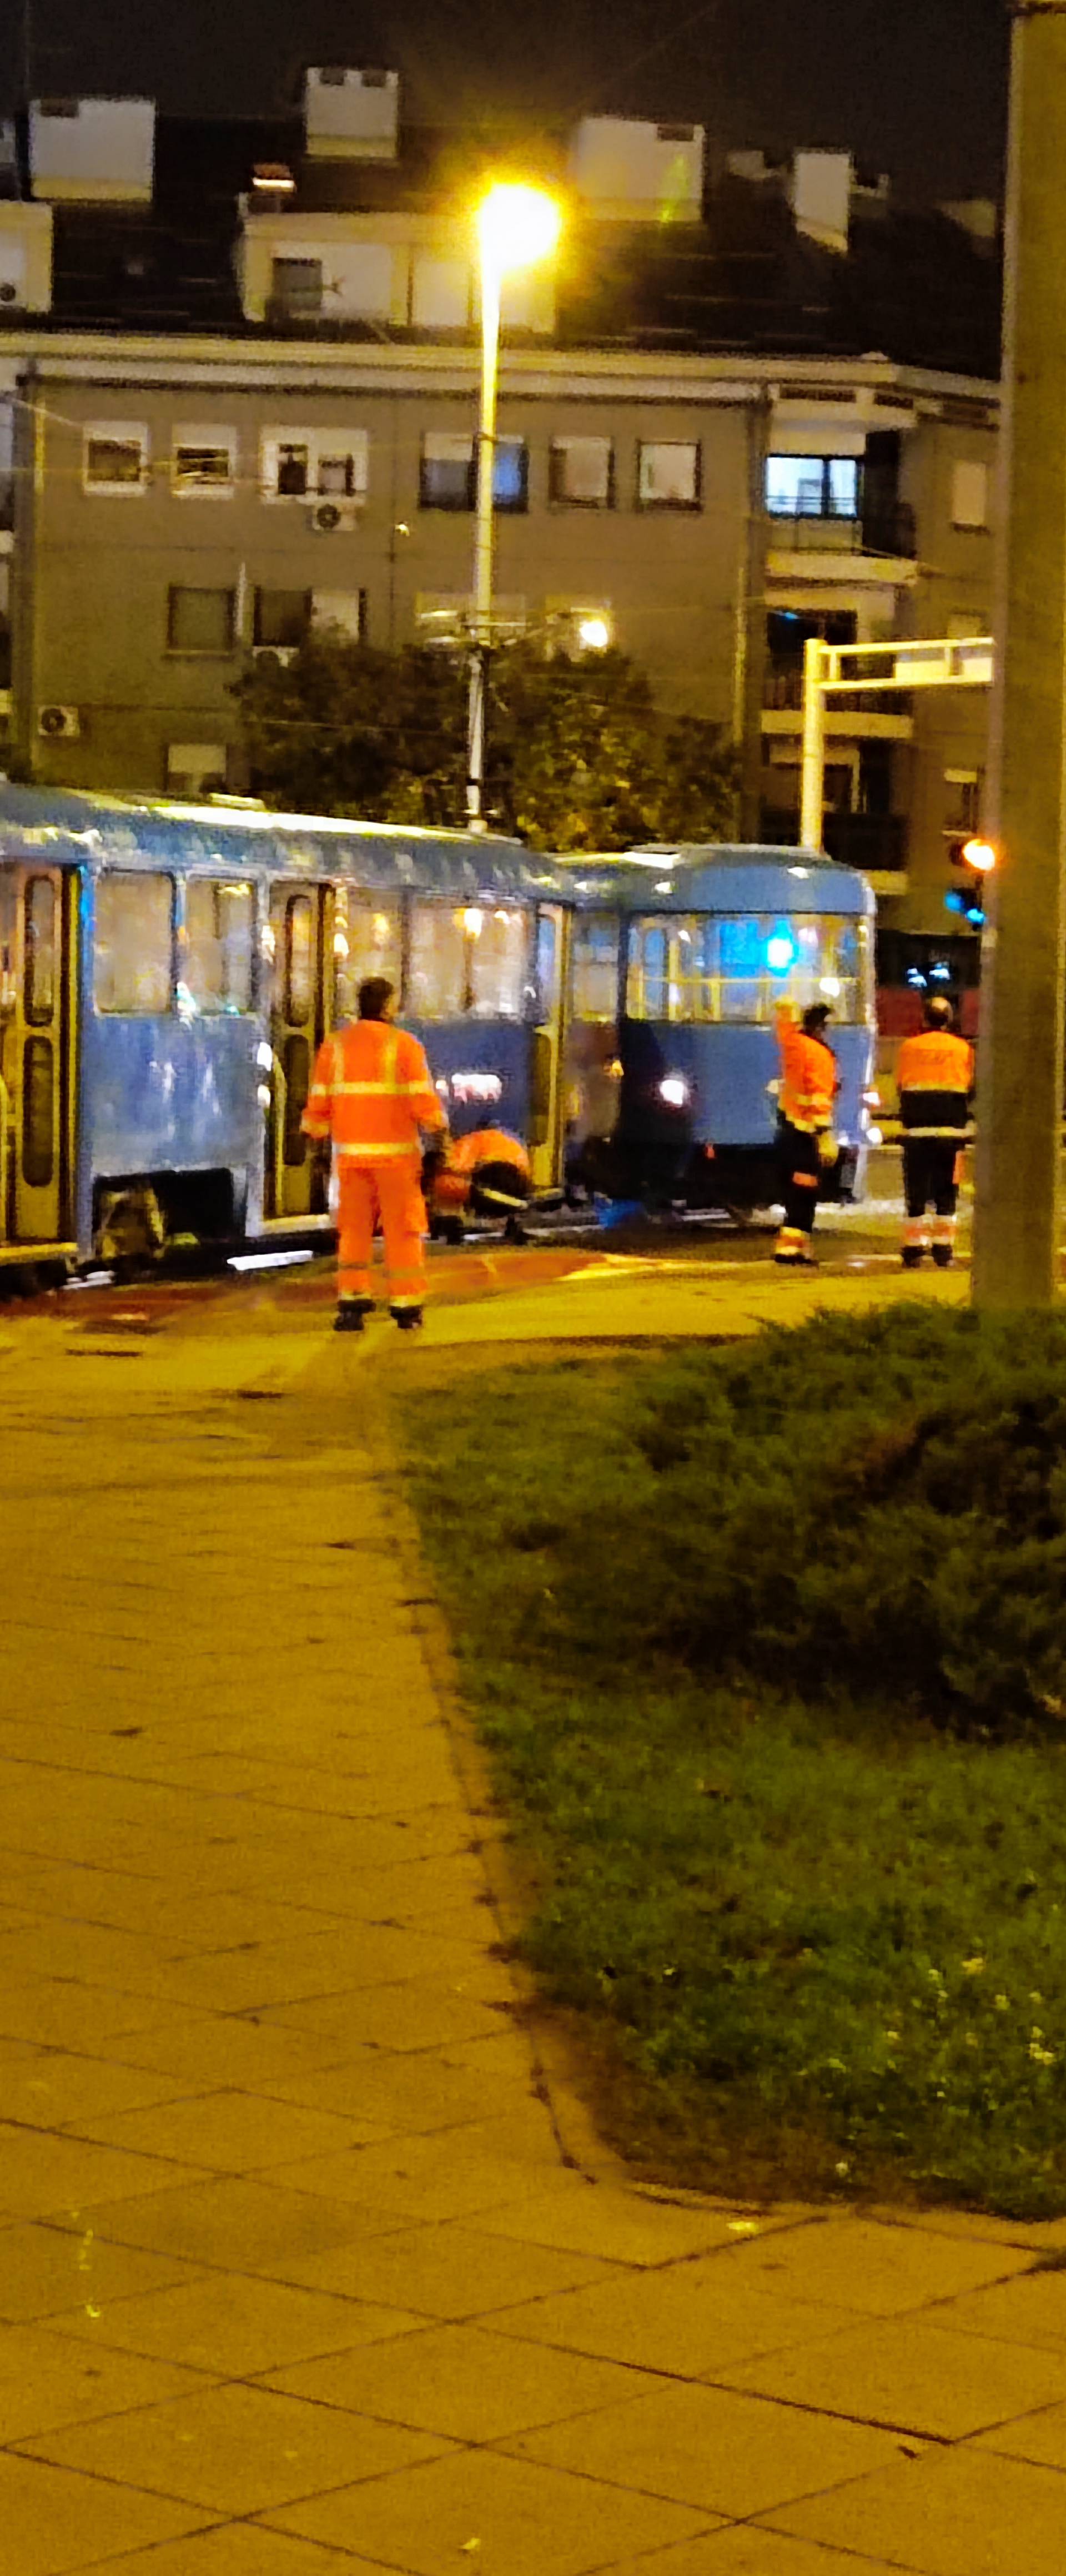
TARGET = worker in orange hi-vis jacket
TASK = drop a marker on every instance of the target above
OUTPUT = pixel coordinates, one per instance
(934, 1077)
(371, 1095)
(806, 1143)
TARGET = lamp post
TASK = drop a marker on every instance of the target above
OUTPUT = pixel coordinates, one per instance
(516, 226)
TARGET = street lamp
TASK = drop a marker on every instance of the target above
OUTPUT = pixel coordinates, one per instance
(516, 227)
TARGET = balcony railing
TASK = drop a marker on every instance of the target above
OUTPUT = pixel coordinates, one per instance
(783, 691)
(881, 532)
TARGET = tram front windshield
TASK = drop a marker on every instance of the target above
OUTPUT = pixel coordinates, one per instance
(737, 968)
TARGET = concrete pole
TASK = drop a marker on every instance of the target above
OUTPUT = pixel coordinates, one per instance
(812, 804)
(481, 602)
(1020, 1075)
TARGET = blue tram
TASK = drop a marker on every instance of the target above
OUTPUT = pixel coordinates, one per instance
(167, 972)
(681, 959)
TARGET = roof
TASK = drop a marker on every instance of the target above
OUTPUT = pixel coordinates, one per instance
(914, 286)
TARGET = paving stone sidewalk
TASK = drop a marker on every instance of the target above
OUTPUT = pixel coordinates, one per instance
(294, 2277)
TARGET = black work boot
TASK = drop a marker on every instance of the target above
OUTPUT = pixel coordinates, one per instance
(351, 1314)
(911, 1255)
(408, 1318)
(942, 1255)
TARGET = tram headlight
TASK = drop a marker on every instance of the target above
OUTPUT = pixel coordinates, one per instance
(264, 1056)
(674, 1090)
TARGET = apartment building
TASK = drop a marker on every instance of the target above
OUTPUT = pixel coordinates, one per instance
(239, 372)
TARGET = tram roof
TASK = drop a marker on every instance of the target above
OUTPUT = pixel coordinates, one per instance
(77, 827)
(718, 876)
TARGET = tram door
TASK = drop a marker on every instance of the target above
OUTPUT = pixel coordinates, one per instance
(296, 923)
(546, 1106)
(32, 1076)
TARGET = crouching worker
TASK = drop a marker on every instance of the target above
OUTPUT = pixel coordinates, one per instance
(807, 1146)
(371, 1095)
(486, 1173)
(934, 1077)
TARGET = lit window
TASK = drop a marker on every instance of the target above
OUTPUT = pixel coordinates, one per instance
(437, 963)
(668, 474)
(366, 941)
(201, 621)
(133, 943)
(448, 479)
(500, 982)
(219, 938)
(708, 967)
(581, 471)
(204, 461)
(115, 457)
(302, 464)
(813, 487)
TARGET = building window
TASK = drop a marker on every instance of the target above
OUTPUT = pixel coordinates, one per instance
(581, 471)
(344, 610)
(969, 495)
(813, 487)
(305, 465)
(281, 618)
(196, 768)
(115, 457)
(448, 481)
(218, 945)
(133, 943)
(201, 621)
(296, 289)
(204, 460)
(668, 474)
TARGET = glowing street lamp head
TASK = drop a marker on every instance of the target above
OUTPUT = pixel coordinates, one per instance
(979, 854)
(516, 226)
(593, 634)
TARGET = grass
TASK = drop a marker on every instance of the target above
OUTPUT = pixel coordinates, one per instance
(768, 1647)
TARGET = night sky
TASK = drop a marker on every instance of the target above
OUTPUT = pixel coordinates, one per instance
(914, 86)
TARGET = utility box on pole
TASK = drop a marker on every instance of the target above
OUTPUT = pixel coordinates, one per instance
(1022, 1030)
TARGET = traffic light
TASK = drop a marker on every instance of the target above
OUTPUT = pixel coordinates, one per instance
(977, 857)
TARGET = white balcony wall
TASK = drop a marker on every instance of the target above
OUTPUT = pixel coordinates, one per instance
(93, 150)
(25, 258)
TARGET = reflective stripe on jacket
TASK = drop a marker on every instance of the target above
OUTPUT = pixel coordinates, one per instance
(934, 1078)
(371, 1092)
(809, 1077)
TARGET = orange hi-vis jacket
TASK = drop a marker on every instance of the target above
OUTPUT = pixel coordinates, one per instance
(934, 1078)
(809, 1078)
(371, 1093)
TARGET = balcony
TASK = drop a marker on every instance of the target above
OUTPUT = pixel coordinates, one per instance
(859, 715)
(876, 843)
(882, 545)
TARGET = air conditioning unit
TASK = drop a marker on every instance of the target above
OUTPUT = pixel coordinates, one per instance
(59, 724)
(329, 518)
(9, 293)
(282, 654)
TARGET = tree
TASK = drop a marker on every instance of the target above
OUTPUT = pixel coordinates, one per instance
(580, 758)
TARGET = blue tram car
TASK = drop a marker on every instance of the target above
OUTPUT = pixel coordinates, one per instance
(167, 972)
(681, 959)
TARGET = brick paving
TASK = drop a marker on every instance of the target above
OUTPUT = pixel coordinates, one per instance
(295, 2273)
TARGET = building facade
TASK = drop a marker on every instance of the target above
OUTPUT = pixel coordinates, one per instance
(288, 441)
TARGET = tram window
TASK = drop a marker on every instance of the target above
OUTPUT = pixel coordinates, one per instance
(38, 1113)
(366, 941)
(648, 989)
(133, 961)
(219, 924)
(437, 966)
(299, 960)
(549, 960)
(499, 981)
(595, 967)
(40, 991)
(746, 990)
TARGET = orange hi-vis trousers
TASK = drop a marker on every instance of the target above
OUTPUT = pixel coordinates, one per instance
(386, 1193)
